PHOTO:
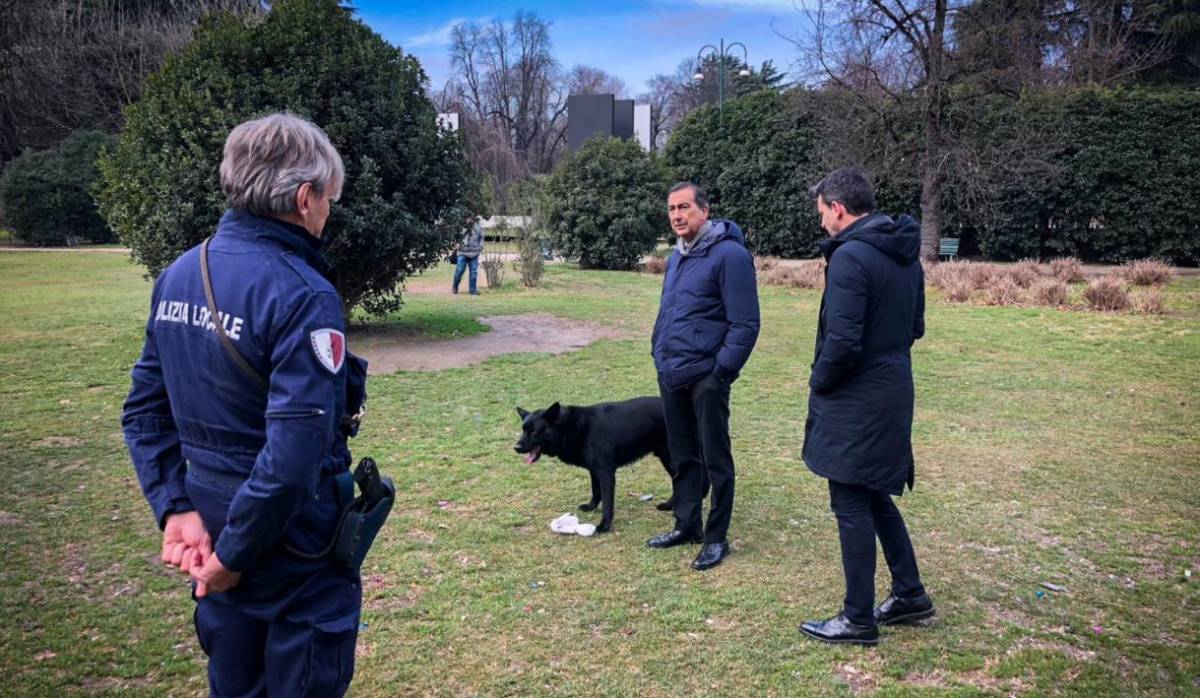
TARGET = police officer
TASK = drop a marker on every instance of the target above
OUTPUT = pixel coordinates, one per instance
(238, 418)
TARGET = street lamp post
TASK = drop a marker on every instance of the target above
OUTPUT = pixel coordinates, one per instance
(721, 53)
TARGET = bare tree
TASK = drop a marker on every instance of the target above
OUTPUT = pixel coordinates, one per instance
(1104, 42)
(67, 64)
(586, 80)
(511, 84)
(892, 54)
(672, 97)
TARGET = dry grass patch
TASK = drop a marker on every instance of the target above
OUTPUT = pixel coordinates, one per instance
(655, 265)
(1026, 272)
(808, 274)
(959, 290)
(1150, 301)
(1052, 292)
(1003, 290)
(982, 274)
(1067, 269)
(1107, 293)
(1146, 272)
(762, 264)
(944, 274)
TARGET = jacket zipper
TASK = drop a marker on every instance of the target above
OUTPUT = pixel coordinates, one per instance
(295, 414)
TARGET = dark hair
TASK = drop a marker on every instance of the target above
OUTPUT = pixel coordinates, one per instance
(699, 194)
(848, 185)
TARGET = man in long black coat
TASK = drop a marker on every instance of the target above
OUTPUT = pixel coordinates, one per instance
(859, 429)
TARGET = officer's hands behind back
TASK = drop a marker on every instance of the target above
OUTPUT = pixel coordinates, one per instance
(186, 543)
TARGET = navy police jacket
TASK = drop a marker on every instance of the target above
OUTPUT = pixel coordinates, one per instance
(190, 402)
(708, 315)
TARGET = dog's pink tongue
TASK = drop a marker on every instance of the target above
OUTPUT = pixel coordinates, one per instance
(532, 455)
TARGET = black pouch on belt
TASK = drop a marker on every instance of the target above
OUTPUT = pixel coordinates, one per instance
(364, 516)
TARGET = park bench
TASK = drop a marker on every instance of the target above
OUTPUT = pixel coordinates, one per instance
(948, 248)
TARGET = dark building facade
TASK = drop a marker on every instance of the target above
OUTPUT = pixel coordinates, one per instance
(588, 115)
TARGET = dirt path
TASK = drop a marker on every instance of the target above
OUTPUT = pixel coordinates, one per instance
(388, 352)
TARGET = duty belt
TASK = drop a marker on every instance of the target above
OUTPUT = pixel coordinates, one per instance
(330, 488)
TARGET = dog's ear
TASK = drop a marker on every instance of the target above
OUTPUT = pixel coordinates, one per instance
(551, 413)
(523, 413)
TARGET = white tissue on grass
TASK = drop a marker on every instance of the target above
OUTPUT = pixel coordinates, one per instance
(566, 524)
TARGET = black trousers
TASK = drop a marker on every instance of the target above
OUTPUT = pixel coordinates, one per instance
(862, 515)
(698, 438)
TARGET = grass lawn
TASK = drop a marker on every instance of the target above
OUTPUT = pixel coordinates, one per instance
(1052, 446)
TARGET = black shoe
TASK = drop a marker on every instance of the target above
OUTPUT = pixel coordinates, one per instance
(710, 556)
(841, 631)
(674, 538)
(897, 611)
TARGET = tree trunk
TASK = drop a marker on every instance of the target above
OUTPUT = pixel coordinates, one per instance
(931, 163)
(931, 213)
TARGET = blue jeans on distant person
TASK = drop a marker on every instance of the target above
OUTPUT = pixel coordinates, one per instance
(463, 263)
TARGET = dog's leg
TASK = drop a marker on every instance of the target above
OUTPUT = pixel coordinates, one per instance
(608, 490)
(595, 493)
(664, 456)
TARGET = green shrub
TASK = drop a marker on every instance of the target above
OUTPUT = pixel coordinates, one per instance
(1122, 183)
(47, 194)
(755, 159)
(408, 186)
(607, 204)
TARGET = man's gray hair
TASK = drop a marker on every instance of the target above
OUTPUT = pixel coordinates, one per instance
(266, 160)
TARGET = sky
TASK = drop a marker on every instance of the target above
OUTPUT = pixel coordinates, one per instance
(633, 40)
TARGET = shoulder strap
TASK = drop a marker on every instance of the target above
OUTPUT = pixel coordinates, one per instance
(226, 342)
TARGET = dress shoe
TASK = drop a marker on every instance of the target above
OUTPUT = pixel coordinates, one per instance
(711, 555)
(841, 631)
(897, 611)
(674, 538)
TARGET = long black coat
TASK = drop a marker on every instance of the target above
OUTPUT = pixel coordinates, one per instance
(860, 407)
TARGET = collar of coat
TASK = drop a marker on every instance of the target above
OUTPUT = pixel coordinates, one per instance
(289, 236)
(715, 231)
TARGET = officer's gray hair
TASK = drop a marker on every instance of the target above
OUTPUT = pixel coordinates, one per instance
(266, 160)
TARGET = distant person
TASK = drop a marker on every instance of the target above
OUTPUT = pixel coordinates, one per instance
(468, 256)
(706, 328)
(858, 434)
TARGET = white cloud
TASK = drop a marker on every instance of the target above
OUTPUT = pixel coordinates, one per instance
(435, 37)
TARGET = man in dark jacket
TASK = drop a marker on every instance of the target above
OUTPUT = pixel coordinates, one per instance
(706, 328)
(860, 406)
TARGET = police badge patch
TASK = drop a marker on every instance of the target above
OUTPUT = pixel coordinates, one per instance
(330, 347)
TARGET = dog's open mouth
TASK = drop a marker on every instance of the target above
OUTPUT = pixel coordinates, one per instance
(533, 455)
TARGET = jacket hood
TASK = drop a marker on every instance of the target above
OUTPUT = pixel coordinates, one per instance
(721, 229)
(899, 239)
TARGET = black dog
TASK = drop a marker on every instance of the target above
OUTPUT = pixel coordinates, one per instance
(600, 439)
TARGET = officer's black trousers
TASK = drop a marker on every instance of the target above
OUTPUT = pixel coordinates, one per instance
(698, 438)
(862, 514)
